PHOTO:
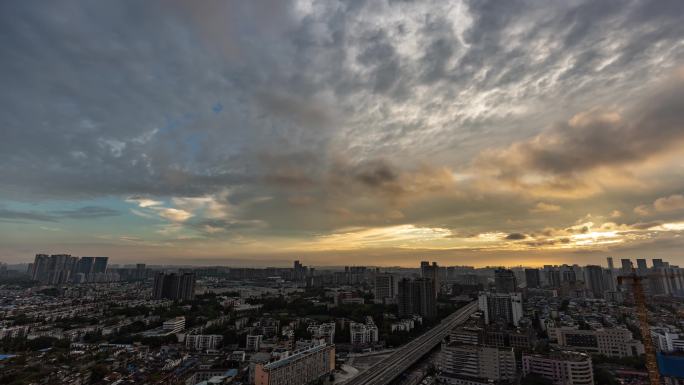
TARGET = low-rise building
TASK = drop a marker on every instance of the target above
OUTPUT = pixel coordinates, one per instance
(237, 355)
(174, 325)
(403, 325)
(613, 342)
(203, 341)
(476, 362)
(666, 341)
(363, 334)
(563, 368)
(253, 343)
(302, 367)
(324, 331)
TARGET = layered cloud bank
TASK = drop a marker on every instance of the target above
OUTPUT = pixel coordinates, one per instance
(469, 131)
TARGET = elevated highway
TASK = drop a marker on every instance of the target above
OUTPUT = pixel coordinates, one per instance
(383, 372)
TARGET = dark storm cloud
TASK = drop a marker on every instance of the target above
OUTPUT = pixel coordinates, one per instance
(86, 212)
(380, 58)
(375, 173)
(645, 225)
(303, 112)
(516, 236)
(290, 169)
(595, 140)
(6, 214)
(600, 138)
(339, 113)
(547, 242)
(104, 102)
(440, 48)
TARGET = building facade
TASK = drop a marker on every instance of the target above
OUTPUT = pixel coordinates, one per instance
(532, 278)
(385, 288)
(431, 272)
(58, 269)
(501, 307)
(613, 342)
(475, 361)
(595, 280)
(203, 341)
(504, 281)
(416, 297)
(563, 368)
(324, 331)
(177, 287)
(253, 343)
(301, 368)
(363, 333)
(174, 325)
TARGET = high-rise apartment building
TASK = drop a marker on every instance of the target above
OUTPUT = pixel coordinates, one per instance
(299, 271)
(38, 269)
(611, 266)
(174, 286)
(100, 265)
(626, 264)
(140, 271)
(385, 287)
(406, 297)
(595, 279)
(610, 280)
(60, 268)
(416, 297)
(186, 289)
(431, 272)
(354, 275)
(642, 267)
(63, 268)
(85, 266)
(666, 280)
(501, 307)
(504, 281)
(532, 278)
(553, 277)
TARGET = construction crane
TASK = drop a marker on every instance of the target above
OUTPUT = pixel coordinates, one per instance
(635, 282)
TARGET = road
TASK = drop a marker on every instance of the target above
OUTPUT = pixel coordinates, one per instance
(383, 372)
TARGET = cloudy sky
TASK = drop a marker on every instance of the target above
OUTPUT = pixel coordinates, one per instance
(375, 132)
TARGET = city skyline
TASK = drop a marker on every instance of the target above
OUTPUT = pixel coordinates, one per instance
(607, 263)
(257, 133)
(304, 325)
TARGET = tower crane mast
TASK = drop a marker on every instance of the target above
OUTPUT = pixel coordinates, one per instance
(635, 281)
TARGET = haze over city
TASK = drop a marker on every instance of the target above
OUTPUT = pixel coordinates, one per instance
(338, 133)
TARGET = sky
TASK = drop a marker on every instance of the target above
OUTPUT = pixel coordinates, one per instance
(378, 132)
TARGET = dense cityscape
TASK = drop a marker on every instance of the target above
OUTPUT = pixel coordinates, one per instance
(342, 192)
(71, 320)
